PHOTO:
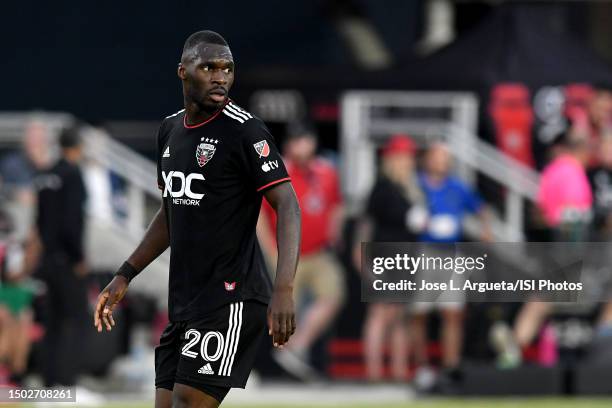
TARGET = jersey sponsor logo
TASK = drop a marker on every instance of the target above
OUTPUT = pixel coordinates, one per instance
(206, 369)
(205, 151)
(167, 152)
(185, 201)
(269, 165)
(262, 148)
(182, 188)
(215, 346)
(230, 286)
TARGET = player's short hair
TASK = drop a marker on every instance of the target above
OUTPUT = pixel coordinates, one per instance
(70, 137)
(204, 36)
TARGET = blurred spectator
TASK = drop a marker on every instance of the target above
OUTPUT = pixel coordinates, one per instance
(394, 213)
(564, 197)
(578, 96)
(319, 274)
(601, 343)
(600, 179)
(61, 200)
(18, 170)
(598, 116)
(594, 123)
(564, 200)
(15, 302)
(449, 200)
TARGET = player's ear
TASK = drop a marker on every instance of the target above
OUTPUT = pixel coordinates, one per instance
(181, 71)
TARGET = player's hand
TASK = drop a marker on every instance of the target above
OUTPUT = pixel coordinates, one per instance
(281, 316)
(107, 300)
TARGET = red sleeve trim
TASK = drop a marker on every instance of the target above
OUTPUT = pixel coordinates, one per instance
(273, 183)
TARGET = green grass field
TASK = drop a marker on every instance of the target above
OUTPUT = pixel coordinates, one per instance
(437, 403)
(470, 403)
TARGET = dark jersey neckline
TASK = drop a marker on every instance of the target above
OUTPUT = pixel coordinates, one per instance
(214, 115)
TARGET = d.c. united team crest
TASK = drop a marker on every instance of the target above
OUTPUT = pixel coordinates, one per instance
(262, 148)
(204, 152)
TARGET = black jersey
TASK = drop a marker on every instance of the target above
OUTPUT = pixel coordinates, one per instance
(61, 211)
(213, 175)
(387, 206)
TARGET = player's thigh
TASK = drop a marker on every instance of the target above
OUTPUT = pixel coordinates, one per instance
(163, 398)
(185, 396)
(167, 358)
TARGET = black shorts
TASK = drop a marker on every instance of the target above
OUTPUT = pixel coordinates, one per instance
(213, 353)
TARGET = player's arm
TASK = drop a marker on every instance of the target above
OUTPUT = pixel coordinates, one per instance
(475, 205)
(154, 242)
(264, 235)
(281, 313)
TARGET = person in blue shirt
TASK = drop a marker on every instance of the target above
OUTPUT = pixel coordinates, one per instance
(449, 200)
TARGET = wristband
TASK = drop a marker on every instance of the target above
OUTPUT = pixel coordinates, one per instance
(127, 271)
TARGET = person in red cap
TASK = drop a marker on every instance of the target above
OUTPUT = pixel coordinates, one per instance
(395, 212)
(317, 188)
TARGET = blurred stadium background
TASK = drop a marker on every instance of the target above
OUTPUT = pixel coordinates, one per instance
(496, 80)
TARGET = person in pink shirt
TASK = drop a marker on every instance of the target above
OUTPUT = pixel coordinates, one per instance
(565, 196)
(564, 199)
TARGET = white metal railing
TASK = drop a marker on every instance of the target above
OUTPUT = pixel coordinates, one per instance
(519, 181)
(12, 124)
(362, 122)
(109, 239)
(137, 171)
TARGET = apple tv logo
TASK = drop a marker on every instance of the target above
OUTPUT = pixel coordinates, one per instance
(269, 165)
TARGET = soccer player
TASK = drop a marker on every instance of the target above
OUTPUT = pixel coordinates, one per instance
(215, 163)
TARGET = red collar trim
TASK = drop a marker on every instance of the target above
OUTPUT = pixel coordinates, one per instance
(207, 120)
